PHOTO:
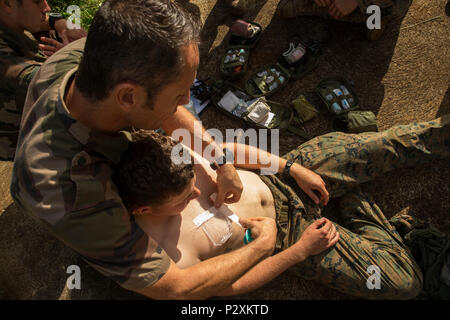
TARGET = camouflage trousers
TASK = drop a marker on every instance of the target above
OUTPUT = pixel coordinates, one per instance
(8, 141)
(296, 8)
(367, 239)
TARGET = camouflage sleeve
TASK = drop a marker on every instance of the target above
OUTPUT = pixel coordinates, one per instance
(84, 210)
(23, 82)
(16, 74)
(99, 229)
(62, 175)
(113, 246)
(363, 4)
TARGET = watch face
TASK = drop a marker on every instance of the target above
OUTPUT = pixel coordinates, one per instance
(55, 15)
(229, 156)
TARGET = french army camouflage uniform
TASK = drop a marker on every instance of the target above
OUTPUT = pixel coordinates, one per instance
(20, 58)
(62, 175)
(392, 8)
(366, 238)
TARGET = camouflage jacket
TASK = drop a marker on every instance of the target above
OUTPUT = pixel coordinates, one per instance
(363, 4)
(63, 175)
(20, 58)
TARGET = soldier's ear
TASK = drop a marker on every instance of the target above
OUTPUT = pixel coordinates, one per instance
(11, 4)
(140, 211)
(6, 4)
(129, 96)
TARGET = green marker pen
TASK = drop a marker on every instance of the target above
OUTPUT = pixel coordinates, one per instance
(248, 236)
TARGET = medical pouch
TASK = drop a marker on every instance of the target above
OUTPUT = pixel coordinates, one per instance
(255, 112)
(338, 95)
(295, 62)
(243, 36)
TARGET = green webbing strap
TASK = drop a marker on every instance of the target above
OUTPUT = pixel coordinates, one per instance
(294, 127)
(300, 132)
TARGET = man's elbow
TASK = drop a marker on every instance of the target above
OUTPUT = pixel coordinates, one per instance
(179, 293)
(172, 295)
(179, 284)
(185, 293)
(176, 292)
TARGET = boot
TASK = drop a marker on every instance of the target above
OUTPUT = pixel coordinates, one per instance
(240, 7)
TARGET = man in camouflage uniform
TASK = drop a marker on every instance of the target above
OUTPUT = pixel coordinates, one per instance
(367, 242)
(346, 10)
(71, 140)
(345, 161)
(20, 58)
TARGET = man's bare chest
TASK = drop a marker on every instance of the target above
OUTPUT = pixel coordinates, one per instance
(201, 231)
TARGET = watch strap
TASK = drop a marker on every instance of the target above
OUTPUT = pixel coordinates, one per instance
(228, 157)
(52, 18)
(287, 168)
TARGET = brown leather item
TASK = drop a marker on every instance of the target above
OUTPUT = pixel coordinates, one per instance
(242, 29)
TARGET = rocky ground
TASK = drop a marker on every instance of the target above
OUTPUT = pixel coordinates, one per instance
(401, 78)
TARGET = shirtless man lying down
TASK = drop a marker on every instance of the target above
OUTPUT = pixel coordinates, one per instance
(166, 198)
(169, 201)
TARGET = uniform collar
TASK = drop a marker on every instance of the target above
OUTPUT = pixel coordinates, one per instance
(24, 44)
(111, 146)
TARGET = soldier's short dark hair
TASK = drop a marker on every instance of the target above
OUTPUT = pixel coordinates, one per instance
(135, 41)
(147, 175)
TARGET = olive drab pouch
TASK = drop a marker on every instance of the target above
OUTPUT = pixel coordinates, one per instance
(305, 110)
(267, 80)
(295, 62)
(342, 102)
(234, 62)
(338, 95)
(254, 112)
(243, 36)
(356, 122)
(301, 57)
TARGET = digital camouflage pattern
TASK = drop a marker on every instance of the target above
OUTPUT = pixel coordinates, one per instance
(20, 58)
(295, 8)
(345, 161)
(62, 175)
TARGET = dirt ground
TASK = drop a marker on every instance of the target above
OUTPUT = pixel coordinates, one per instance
(403, 77)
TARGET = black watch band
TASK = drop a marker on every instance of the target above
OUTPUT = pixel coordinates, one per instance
(228, 157)
(287, 168)
(52, 18)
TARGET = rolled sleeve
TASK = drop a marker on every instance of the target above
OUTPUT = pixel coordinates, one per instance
(114, 245)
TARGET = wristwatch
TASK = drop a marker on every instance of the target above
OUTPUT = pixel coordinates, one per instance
(287, 168)
(228, 157)
(52, 18)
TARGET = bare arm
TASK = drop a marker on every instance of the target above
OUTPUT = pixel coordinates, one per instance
(211, 276)
(265, 271)
(229, 185)
(320, 235)
(249, 157)
(199, 139)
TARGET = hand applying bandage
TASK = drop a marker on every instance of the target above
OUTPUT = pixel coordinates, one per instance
(235, 218)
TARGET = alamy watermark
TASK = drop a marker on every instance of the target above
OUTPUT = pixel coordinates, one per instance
(257, 139)
(74, 20)
(374, 280)
(374, 20)
(73, 281)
